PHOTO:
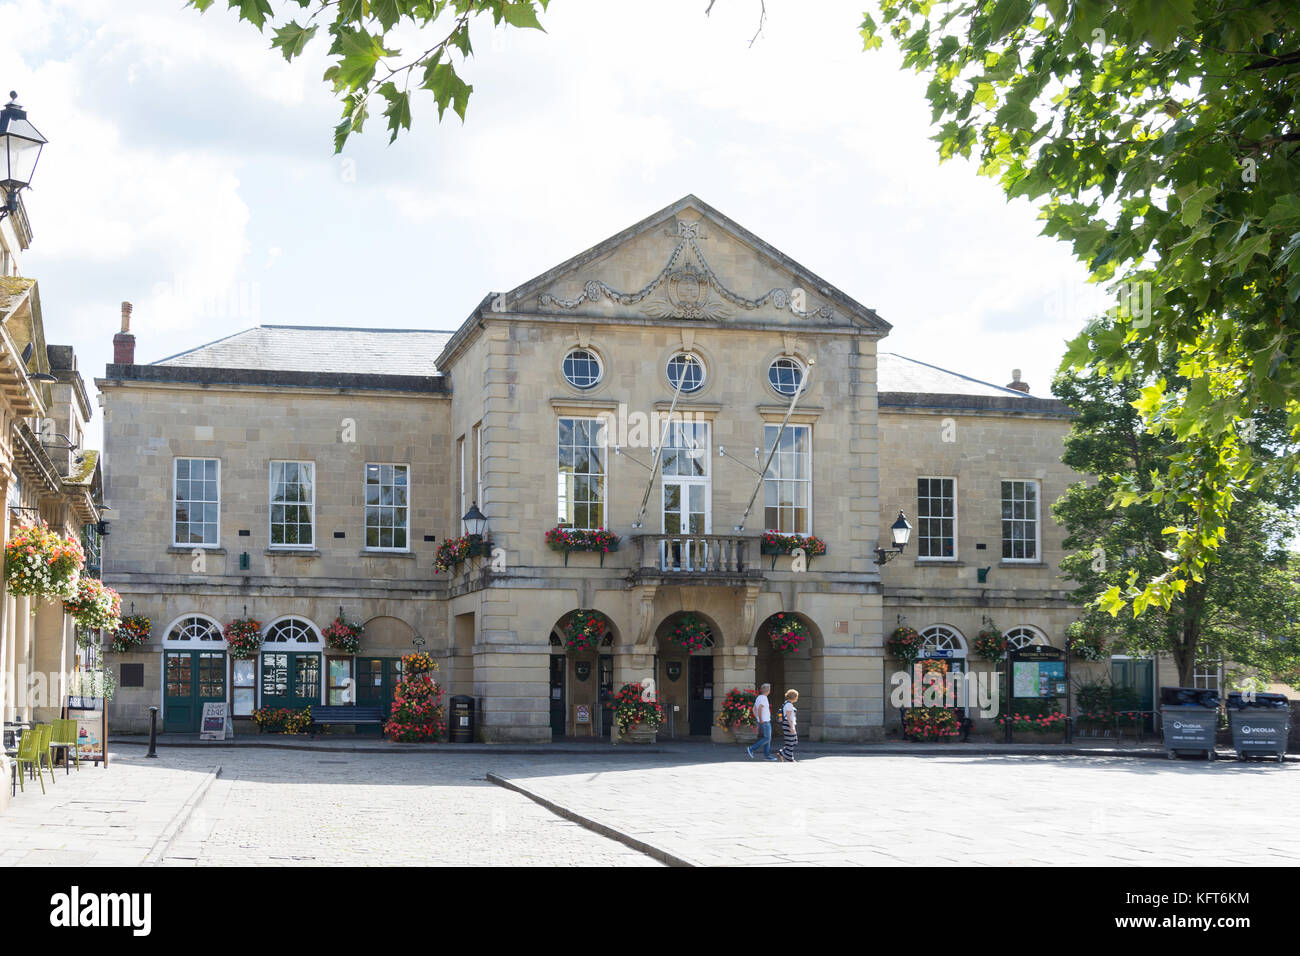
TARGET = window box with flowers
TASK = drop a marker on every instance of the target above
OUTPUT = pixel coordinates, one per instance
(636, 719)
(566, 539)
(585, 630)
(455, 551)
(282, 720)
(134, 632)
(904, 645)
(42, 564)
(243, 638)
(690, 631)
(775, 544)
(95, 607)
(787, 633)
(343, 636)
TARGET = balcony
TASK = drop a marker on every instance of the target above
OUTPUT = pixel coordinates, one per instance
(696, 557)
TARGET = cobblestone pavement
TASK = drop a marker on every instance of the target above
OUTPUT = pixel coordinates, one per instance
(709, 806)
(892, 810)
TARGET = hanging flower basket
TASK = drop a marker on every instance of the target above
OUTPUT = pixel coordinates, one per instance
(243, 638)
(692, 633)
(636, 718)
(417, 713)
(454, 551)
(1086, 643)
(565, 539)
(990, 644)
(738, 709)
(95, 607)
(787, 633)
(585, 630)
(41, 563)
(342, 636)
(134, 632)
(904, 645)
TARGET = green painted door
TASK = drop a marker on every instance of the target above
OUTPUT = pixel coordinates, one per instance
(190, 680)
(290, 680)
(700, 713)
(1134, 680)
(377, 679)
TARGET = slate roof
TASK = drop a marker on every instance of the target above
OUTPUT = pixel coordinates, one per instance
(314, 348)
(906, 382)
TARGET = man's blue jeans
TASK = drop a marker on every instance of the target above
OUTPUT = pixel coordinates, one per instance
(764, 738)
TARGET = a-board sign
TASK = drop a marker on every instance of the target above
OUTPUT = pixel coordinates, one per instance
(214, 721)
(584, 714)
(92, 727)
(1038, 671)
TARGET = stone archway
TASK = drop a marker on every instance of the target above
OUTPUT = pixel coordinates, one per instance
(581, 677)
(800, 670)
(687, 680)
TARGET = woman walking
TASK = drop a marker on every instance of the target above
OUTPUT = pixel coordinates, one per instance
(789, 724)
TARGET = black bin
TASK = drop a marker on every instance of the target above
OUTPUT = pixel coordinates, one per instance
(1260, 724)
(1190, 719)
(460, 724)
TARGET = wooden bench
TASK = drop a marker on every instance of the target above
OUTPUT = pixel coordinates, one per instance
(350, 714)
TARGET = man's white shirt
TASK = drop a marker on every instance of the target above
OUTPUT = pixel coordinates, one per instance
(762, 709)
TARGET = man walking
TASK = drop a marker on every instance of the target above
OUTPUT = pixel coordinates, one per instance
(763, 714)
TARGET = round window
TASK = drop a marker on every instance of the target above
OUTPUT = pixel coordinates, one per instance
(785, 375)
(686, 369)
(582, 368)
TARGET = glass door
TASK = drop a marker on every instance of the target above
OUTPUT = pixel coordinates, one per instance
(190, 680)
(290, 680)
(686, 515)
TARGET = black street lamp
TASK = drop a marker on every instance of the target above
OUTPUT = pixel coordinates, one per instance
(475, 521)
(20, 148)
(901, 532)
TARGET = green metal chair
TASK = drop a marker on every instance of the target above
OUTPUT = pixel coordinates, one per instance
(46, 731)
(65, 737)
(29, 756)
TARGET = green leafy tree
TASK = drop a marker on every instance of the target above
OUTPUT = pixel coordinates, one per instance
(1245, 607)
(1159, 138)
(366, 63)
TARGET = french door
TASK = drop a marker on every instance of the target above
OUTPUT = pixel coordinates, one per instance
(686, 516)
(290, 680)
(190, 680)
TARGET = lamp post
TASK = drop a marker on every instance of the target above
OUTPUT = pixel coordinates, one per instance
(901, 532)
(20, 148)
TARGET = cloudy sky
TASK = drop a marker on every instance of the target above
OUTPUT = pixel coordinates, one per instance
(191, 171)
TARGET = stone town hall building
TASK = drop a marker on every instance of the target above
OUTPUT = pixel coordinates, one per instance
(286, 472)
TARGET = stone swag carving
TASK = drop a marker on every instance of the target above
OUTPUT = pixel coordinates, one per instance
(684, 290)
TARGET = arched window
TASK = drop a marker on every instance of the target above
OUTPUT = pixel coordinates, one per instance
(291, 632)
(1023, 636)
(939, 640)
(196, 633)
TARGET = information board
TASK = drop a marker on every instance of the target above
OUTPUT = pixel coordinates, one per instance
(92, 727)
(1038, 671)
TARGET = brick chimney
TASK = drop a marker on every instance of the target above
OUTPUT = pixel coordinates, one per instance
(1018, 385)
(124, 341)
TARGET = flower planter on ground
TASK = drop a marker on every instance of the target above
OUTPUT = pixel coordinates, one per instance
(636, 719)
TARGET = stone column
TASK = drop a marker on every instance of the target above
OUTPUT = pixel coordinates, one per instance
(48, 656)
(852, 692)
(732, 667)
(511, 678)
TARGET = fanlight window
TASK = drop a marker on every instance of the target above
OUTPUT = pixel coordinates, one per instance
(291, 631)
(942, 638)
(191, 629)
(1019, 637)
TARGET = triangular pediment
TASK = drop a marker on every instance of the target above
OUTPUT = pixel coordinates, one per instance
(689, 263)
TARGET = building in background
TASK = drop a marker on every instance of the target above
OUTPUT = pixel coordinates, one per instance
(684, 385)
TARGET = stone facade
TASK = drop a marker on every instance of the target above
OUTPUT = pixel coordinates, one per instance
(485, 426)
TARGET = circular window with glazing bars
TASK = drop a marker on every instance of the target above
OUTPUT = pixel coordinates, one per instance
(785, 375)
(583, 369)
(686, 369)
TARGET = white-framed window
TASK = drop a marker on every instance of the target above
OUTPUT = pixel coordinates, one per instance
(1020, 524)
(291, 631)
(1208, 675)
(785, 375)
(387, 509)
(688, 369)
(940, 640)
(581, 472)
(583, 369)
(196, 502)
(936, 519)
(293, 504)
(787, 486)
(1024, 636)
(194, 631)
